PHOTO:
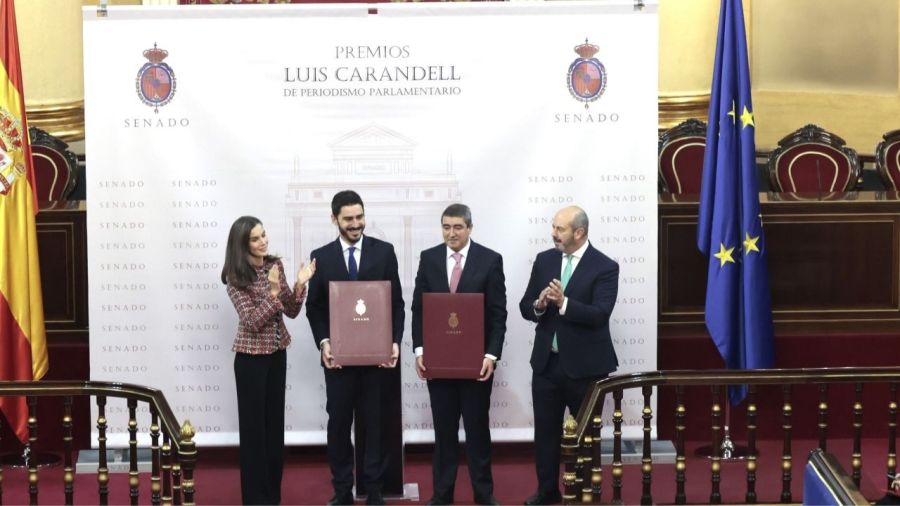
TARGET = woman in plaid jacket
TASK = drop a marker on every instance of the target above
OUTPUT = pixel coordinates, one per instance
(260, 293)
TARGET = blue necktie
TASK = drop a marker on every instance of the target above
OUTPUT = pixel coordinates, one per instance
(351, 264)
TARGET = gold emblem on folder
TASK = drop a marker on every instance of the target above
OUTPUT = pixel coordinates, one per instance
(453, 321)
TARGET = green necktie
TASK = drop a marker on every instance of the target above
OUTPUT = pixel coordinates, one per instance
(566, 274)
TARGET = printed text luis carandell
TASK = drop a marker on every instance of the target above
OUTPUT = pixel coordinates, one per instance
(371, 73)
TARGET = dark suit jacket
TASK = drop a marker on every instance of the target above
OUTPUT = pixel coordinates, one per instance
(483, 273)
(585, 346)
(377, 263)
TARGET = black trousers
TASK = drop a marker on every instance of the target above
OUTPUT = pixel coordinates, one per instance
(451, 398)
(260, 381)
(552, 392)
(347, 389)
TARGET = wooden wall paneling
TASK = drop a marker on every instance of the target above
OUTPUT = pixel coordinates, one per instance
(834, 266)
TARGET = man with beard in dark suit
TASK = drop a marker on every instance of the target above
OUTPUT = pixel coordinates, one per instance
(459, 265)
(353, 256)
(570, 295)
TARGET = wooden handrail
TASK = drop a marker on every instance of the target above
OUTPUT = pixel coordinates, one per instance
(809, 376)
(80, 388)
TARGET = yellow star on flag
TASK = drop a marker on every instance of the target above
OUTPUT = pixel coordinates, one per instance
(732, 112)
(747, 118)
(750, 243)
(724, 255)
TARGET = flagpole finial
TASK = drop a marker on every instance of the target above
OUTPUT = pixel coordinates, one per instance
(101, 8)
(639, 5)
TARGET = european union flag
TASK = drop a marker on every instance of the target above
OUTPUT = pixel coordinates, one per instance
(729, 231)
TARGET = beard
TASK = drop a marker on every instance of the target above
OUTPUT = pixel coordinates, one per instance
(351, 234)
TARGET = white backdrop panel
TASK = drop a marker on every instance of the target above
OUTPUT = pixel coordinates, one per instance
(278, 107)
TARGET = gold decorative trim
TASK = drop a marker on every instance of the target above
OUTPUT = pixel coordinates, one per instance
(674, 109)
(62, 120)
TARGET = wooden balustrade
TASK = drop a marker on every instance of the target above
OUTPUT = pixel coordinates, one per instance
(584, 432)
(172, 464)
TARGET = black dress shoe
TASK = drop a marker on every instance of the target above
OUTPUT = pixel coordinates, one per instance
(341, 499)
(544, 498)
(375, 498)
(489, 500)
(438, 501)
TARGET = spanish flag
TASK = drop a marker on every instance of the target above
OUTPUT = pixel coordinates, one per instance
(23, 343)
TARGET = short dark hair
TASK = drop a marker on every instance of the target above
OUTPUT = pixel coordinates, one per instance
(458, 211)
(237, 270)
(345, 198)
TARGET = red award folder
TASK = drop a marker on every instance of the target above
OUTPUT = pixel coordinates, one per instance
(361, 322)
(453, 334)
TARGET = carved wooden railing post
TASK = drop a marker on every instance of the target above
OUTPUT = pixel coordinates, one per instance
(187, 456)
(31, 459)
(155, 485)
(680, 464)
(823, 417)
(857, 435)
(68, 470)
(597, 469)
(134, 479)
(751, 445)
(646, 457)
(571, 458)
(715, 497)
(166, 470)
(102, 470)
(892, 434)
(786, 465)
(176, 481)
(617, 468)
(584, 474)
(579, 480)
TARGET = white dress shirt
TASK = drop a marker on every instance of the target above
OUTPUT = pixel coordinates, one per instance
(357, 253)
(451, 263)
(345, 248)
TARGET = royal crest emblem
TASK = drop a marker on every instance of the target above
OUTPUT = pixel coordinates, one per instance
(453, 321)
(155, 82)
(11, 154)
(360, 307)
(586, 76)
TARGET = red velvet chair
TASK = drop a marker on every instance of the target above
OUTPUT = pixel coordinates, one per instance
(54, 166)
(813, 160)
(887, 160)
(680, 161)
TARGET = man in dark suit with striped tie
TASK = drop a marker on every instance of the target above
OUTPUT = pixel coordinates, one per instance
(459, 265)
(353, 256)
(570, 295)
